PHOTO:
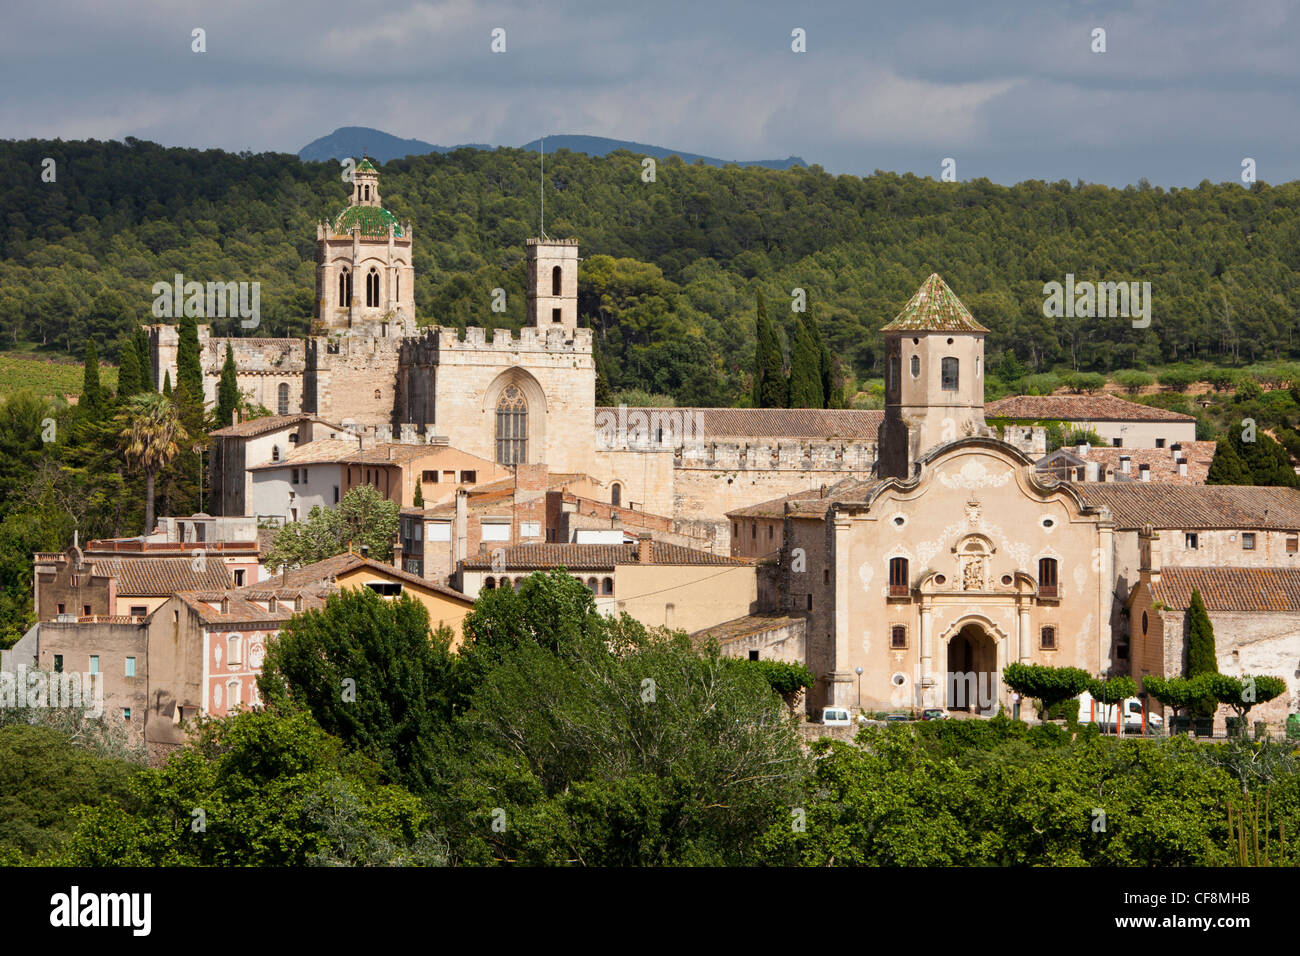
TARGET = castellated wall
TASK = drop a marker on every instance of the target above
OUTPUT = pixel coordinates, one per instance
(261, 367)
(353, 379)
(452, 388)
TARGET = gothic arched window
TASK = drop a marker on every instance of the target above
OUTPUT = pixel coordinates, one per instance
(616, 495)
(282, 399)
(345, 288)
(555, 281)
(512, 427)
(372, 288)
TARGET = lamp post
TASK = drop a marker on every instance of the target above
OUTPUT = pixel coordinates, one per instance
(858, 671)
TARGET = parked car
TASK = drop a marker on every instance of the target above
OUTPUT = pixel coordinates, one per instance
(898, 717)
(934, 713)
(836, 717)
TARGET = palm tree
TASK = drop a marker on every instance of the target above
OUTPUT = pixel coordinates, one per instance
(151, 439)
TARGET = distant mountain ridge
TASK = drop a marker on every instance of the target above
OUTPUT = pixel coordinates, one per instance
(355, 140)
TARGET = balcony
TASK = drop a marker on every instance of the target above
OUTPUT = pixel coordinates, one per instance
(899, 591)
(1048, 592)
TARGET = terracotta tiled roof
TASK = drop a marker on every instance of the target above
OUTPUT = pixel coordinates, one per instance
(260, 426)
(850, 489)
(243, 607)
(1079, 408)
(324, 451)
(746, 626)
(710, 424)
(159, 577)
(934, 308)
(312, 575)
(396, 453)
(1133, 504)
(1231, 589)
(591, 557)
(1163, 466)
(775, 507)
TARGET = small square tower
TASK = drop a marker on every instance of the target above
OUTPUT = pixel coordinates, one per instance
(553, 283)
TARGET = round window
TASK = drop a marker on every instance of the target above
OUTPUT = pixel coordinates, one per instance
(900, 521)
(939, 579)
(899, 680)
(1006, 579)
(950, 341)
(1049, 523)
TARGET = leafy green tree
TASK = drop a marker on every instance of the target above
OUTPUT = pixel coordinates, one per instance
(1134, 381)
(1047, 685)
(1242, 693)
(1178, 379)
(372, 674)
(1176, 693)
(363, 518)
(1201, 655)
(151, 439)
(227, 391)
(273, 789)
(1113, 691)
(44, 775)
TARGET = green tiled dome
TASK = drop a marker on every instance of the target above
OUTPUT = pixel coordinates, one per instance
(373, 221)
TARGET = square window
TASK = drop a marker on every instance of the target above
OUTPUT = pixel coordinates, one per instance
(1047, 638)
(1160, 443)
(1117, 443)
(898, 636)
(1190, 541)
(1248, 542)
(139, 610)
(126, 713)
(239, 577)
(85, 610)
(469, 477)
(58, 663)
(753, 655)
(1292, 544)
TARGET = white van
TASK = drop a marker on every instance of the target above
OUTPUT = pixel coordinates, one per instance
(836, 717)
(1103, 715)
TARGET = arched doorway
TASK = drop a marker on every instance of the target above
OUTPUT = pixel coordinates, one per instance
(971, 679)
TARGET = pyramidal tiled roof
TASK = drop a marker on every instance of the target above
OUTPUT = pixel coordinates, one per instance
(934, 308)
(366, 165)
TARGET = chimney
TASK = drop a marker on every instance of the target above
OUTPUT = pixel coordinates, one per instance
(1082, 448)
(644, 549)
(1090, 469)
(1175, 449)
(225, 604)
(460, 528)
(1182, 467)
(1145, 471)
(1125, 463)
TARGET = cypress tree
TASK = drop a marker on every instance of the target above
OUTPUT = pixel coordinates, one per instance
(227, 391)
(1201, 657)
(805, 368)
(770, 389)
(145, 356)
(167, 384)
(189, 370)
(827, 366)
(604, 397)
(418, 499)
(128, 370)
(91, 397)
(1227, 468)
(1266, 461)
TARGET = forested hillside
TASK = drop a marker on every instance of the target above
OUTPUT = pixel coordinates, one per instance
(672, 267)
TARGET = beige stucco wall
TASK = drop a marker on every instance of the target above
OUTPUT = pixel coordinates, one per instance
(687, 598)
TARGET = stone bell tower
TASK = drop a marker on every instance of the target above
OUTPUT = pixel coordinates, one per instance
(553, 283)
(934, 378)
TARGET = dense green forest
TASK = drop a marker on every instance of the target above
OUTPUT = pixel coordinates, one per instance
(673, 267)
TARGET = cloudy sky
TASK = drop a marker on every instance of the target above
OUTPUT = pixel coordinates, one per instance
(1011, 90)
